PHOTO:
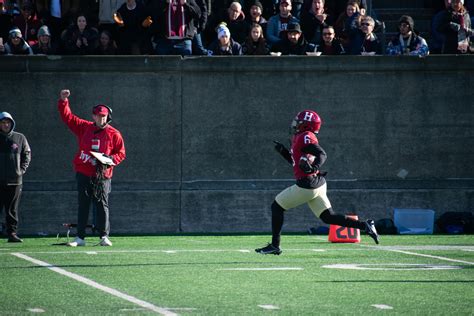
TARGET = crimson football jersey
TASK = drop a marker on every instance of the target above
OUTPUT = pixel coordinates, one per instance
(298, 142)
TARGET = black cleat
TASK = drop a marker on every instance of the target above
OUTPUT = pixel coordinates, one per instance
(269, 250)
(371, 231)
(14, 238)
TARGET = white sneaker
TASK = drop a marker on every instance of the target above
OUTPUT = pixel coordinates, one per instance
(104, 241)
(77, 242)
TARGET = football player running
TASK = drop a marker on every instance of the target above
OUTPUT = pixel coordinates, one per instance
(307, 156)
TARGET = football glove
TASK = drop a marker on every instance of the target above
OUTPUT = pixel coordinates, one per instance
(281, 149)
(306, 166)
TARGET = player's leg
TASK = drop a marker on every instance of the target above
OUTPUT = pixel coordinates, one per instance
(289, 198)
(321, 207)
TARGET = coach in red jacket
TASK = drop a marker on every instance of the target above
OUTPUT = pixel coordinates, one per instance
(93, 173)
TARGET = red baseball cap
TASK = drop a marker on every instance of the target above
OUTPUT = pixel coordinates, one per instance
(100, 110)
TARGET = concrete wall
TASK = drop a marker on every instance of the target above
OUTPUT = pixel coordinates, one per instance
(399, 132)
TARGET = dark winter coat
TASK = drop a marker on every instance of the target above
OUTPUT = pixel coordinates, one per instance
(15, 155)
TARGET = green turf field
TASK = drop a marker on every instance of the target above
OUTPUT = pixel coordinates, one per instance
(222, 275)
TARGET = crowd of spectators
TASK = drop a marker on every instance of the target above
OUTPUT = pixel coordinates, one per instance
(205, 27)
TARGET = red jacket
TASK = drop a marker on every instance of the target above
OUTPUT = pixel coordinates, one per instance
(108, 141)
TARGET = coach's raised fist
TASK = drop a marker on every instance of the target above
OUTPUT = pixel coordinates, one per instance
(65, 94)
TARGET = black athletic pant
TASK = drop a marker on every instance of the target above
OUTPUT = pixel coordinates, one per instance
(9, 201)
(85, 198)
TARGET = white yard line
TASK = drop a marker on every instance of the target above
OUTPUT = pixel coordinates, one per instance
(432, 247)
(269, 307)
(428, 256)
(96, 285)
(382, 306)
(36, 310)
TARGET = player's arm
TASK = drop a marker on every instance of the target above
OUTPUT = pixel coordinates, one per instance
(283, 151)
(319, 157)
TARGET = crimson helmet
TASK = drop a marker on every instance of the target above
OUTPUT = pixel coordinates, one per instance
(306, 120)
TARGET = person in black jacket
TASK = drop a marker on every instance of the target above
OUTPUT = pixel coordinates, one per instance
(329, 44)
(15, 156)
(294, 43)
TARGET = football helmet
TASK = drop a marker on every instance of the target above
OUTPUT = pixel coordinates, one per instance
(306, 120)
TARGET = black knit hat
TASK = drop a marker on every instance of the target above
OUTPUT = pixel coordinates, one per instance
(408, 20)
(257, 3)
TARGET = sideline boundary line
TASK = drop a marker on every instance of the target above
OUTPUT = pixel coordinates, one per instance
(429, 256)
(414, 253)
(96, 285)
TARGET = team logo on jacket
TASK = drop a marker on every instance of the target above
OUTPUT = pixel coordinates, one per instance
(14, 147)
(85, 158)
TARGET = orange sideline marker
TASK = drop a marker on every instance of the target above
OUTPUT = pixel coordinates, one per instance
(344, 234)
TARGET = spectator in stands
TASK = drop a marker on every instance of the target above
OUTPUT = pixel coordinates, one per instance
(407, 42)
(107, 45)
(314, 20)
(438, 38)
(217, 11)
(364, 41)
(107, 8)
(277, 24)
(79, 38)
(235, 21)
(255, 15)
(57, 15)
(456, 27)
(270, 8)
(16, 45)
(297, 8)
(295, 43)
(14, 161)
(44, 45)
(200, 24)
(337, 7)
(28, 23)
(329, 44)
(224, 45)
(130, 18)
(255, 44)
(91, 11)
(8, 10)
(347, 23)
(172, 25)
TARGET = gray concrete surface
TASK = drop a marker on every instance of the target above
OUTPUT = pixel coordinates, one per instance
(399, 132)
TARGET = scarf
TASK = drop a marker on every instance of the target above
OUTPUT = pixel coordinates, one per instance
(175, 20)
(405, 49)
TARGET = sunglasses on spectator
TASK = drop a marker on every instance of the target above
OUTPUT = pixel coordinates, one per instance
(404, 25)
(328, 33)
(365, 24)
